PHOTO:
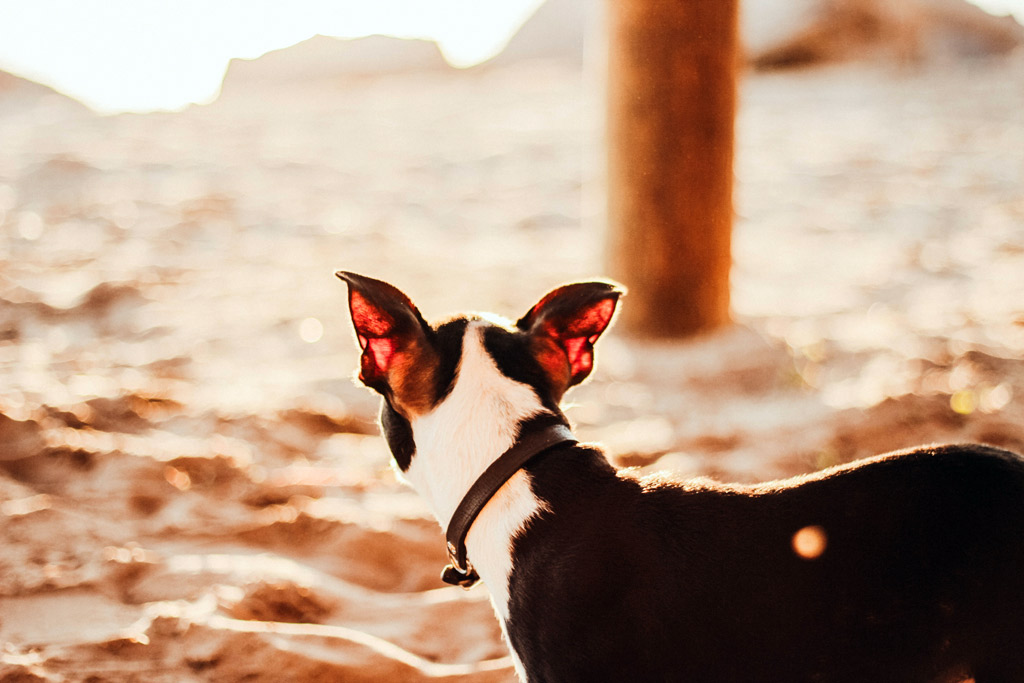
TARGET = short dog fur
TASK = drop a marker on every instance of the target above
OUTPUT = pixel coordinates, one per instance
(601, 575)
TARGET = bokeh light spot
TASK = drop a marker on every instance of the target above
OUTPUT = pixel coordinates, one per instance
(810, 542)
(311, 330)
(963, 402)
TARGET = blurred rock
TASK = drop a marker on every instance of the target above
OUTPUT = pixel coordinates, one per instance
(21, 673)
(19, 439)
(282, 601)
(332, 60)
(782, 34)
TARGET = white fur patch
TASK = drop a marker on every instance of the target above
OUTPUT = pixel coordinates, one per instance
(458, 440)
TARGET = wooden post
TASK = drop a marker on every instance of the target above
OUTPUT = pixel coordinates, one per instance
(672, 75)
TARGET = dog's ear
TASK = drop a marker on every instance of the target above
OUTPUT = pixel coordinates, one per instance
(398, 359)
(564, 326)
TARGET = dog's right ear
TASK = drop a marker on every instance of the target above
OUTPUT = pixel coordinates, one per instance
(397, 360)
(564, 325)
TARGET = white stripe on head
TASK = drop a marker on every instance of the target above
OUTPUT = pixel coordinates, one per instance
(458, 440)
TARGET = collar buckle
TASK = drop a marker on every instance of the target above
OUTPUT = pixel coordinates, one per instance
(457, 574)
(467, 578)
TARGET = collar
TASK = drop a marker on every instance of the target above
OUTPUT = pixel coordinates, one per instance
(536, 435)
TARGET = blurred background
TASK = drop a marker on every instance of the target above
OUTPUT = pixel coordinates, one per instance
(191, 485)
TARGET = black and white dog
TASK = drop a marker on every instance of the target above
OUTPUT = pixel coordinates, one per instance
(908, 567)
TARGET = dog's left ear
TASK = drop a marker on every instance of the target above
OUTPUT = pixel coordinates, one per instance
(397, 358)
(564, 326)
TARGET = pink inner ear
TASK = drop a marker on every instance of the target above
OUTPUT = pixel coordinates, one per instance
(368, 319)
(591, 321)
(577, 335)
(373, 325)
(379, 352)
(577, 350)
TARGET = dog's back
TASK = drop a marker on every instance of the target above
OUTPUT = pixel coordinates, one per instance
(916, 573)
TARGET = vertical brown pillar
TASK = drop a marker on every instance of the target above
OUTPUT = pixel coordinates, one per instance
(671, 105)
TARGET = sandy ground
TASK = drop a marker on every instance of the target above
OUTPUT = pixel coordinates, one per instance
(191, 486)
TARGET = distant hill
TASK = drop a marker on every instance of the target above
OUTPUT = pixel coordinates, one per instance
(774, 33)
(23, 92)
(322, 58)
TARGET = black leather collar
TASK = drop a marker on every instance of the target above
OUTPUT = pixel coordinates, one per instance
(536, 435)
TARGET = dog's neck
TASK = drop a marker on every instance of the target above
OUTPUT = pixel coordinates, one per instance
(476, 422)
(456, 441)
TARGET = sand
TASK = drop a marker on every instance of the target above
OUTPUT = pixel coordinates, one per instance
(191, 485)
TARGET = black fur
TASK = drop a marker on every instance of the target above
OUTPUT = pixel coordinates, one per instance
(398, 433)
(511, 353)
(921, 580)
(447, 339)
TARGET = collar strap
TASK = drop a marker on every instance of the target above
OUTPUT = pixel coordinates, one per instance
(536, 436)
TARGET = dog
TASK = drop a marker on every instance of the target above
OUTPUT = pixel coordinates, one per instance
(907, 567)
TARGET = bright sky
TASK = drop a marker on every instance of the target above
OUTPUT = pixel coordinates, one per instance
(141, 55)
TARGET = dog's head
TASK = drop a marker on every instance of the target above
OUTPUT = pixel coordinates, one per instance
(415, 366)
